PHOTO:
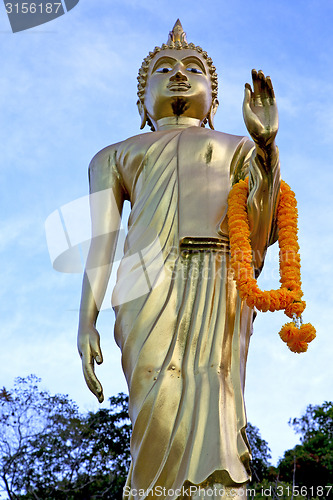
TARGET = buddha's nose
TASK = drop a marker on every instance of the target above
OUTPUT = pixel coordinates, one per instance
(179, 76)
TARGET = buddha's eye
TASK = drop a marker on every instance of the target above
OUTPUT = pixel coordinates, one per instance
(194, 70)
(164, 69)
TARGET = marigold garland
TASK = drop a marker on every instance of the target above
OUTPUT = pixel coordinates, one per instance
(289, 296)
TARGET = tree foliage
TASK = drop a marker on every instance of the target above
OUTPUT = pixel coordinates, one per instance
(261, 454)
(311, 463)
(49, 450)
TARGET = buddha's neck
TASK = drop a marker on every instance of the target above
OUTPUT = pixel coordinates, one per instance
(177, 122)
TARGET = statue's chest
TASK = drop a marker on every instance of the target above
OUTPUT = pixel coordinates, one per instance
(197, 167)
(197, 162)
(203, 188)
(197, 154)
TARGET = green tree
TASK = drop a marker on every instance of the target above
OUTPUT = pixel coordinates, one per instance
(311, 462)
(49, 450)
(261, 454)
(26, 412)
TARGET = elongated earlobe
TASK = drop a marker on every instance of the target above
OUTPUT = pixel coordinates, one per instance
(211, 114)
(142, 113)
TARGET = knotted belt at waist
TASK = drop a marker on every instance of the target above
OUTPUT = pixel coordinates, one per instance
(205, 244)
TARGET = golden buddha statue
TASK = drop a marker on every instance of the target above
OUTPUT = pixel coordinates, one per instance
(184, 342)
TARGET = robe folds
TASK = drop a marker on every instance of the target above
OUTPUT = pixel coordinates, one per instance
(180, 324)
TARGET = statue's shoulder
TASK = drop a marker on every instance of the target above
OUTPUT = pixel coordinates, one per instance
(224, 138)
(103, 171)
(112, 164)
(111, 153)
(105, 155)
(224, 144)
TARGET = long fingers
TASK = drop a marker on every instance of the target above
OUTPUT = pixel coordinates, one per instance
(96, 348)
(270, 89)
(258, 83)
(90, 351)
(247, 99)
(262, 87)
(92, 381)
(248, 87)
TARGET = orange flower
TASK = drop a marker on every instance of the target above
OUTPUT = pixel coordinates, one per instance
(297, 346)
(288, 296)
(297, 339)
(307, 332)
(275, 301)
(288, 332)
(295, 308)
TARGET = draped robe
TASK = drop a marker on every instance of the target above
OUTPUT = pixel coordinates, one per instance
(180, 324)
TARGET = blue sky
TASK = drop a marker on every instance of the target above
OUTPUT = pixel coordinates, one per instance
(68, 89)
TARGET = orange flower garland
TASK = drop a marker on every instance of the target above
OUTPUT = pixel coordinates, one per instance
(289, 296)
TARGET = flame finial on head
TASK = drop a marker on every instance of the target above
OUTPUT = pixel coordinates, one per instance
(177, 34)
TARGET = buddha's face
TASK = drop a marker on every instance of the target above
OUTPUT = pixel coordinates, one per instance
(178, 84)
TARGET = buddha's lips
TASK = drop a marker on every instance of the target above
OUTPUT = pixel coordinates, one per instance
(178, 86)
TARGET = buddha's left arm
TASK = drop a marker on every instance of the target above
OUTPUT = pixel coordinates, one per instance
(264, 188)
(261, 119)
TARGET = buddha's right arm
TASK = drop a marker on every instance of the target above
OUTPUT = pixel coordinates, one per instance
(106, 201)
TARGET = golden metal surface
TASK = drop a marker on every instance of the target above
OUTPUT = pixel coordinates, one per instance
(185, 339)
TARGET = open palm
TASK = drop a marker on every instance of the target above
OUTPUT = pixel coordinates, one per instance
(260, 110)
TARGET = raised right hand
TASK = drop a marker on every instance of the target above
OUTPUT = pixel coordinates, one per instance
(260, 110)
(88, 343)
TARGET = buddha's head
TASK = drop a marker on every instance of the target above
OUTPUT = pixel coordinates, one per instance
(177, 79)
